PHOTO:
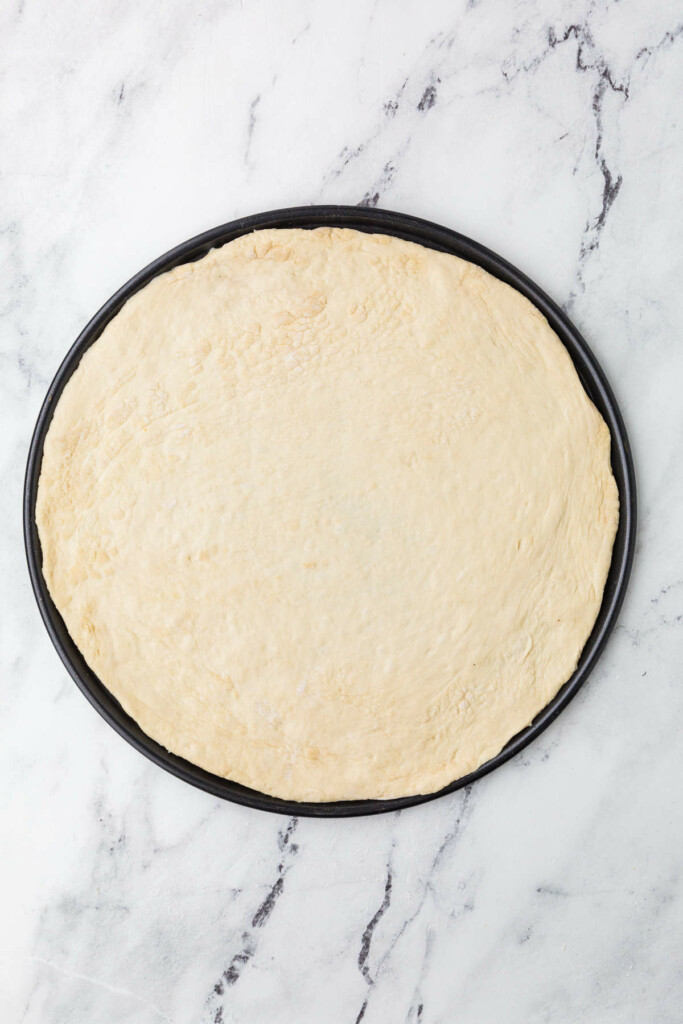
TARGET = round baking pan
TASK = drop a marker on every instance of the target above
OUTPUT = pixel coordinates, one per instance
(434, 237)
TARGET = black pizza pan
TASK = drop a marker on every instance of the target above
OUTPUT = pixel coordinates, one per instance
(434, 237)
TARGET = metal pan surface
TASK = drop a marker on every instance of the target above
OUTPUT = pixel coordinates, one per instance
(434, 237)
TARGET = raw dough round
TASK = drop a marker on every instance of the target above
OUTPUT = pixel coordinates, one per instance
(329, 513)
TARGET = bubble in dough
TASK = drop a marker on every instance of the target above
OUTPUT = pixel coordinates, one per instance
(329, 513)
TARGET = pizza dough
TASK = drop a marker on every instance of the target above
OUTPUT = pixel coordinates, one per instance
(329, 513)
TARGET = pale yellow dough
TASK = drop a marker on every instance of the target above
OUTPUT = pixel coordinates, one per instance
(329, 513)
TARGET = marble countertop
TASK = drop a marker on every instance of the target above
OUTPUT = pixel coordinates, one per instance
(552, 890)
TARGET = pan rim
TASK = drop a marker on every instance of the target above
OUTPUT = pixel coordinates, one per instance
(431, 235)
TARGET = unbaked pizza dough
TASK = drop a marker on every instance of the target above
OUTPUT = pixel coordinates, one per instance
(329, 513)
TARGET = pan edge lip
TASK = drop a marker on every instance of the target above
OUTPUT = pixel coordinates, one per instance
(374, 220)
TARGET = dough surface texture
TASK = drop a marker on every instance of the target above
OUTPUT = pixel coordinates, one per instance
(329, 513)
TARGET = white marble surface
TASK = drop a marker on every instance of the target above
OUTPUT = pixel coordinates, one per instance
(552, 891)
